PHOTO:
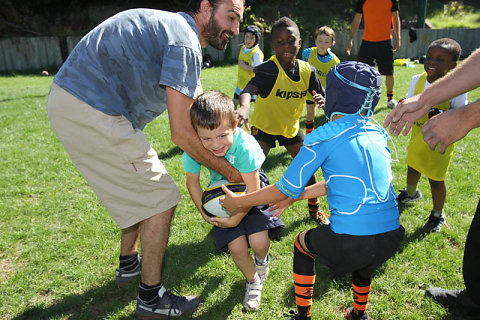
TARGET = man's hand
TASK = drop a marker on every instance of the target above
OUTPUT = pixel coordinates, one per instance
(404, 115)
(444, 129)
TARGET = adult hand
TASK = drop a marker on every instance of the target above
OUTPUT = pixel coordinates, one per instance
(444, 129)
(404, 115)
(243, 113)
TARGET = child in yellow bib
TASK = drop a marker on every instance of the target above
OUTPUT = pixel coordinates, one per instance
(249, 57)
(322, 58)
(442, 56)
(282, 83)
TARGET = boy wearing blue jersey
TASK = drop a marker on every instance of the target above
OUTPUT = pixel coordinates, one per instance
(322, 58)
(282, 84)
(212, 115)
(249, 57)
(352, 152)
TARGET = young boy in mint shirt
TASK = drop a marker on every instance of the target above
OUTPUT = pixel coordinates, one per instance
(212, 115)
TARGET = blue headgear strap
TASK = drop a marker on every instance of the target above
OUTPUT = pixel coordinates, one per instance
(367, 104)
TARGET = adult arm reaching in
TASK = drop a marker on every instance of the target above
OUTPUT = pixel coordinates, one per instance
(462, 79)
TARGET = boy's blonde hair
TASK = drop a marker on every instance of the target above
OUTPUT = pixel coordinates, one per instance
(326, 31)
(452, 46)
(211, 109)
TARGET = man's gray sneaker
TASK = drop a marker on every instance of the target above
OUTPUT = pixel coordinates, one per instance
(435, 222)
(169, 306)
(404, 198)
(126, 274)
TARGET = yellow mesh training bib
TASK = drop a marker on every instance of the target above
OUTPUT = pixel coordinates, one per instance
(244, 75)
(420, 157)
(279, 112)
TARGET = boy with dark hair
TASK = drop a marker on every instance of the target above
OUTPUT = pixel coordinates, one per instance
(352, 151)
(442, 56)
(213, 118)
(282, 84)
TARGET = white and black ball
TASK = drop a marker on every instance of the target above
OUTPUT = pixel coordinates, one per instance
(210, 197)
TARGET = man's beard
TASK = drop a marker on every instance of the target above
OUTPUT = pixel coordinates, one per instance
(214, 34)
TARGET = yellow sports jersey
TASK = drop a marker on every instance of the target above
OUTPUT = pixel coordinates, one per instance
(244, 75)
(279, 112)
(420, 157)
(322, 67)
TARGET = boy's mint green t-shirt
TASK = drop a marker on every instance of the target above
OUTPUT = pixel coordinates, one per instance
(245, 155)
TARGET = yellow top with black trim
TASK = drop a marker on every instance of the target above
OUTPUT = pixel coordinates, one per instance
(322, 67)
(280, 111)
(420, 157)
(245, 75)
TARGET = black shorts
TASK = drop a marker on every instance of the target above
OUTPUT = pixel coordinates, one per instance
(270, 139)
(344, 253)
(381, 52)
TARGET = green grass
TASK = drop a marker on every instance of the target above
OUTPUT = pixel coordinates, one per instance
(59, 247)
(455, 14)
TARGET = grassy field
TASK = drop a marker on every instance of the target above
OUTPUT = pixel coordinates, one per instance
(59, 247)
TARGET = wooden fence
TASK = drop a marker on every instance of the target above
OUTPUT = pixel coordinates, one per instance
(26, 53)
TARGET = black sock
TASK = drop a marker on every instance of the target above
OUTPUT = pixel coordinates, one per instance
(149, 294)
(129, 262)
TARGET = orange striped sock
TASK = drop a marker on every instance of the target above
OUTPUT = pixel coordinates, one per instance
(360, 299)
(309, 126)
(304, 280)
(389, 95)
(313, 205)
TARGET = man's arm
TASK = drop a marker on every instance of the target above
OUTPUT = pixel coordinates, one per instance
(353, 30)
(451, 126)
(185, 136)
(460, 80)
(397, 28)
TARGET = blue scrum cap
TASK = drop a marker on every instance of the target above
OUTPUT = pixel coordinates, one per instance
(352, 87)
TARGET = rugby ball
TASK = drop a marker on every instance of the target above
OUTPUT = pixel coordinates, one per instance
(210, 197)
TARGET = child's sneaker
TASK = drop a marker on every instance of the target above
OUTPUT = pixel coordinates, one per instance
(404, 198)
(169, 305)
(253, 294)
(351, 315)
(126, 274)
(435, 222)
(320, 217)
(263, 269)
(392, 103)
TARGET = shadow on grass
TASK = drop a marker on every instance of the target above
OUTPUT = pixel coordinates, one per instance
(180, 261)
(172, 152)
(95, 303)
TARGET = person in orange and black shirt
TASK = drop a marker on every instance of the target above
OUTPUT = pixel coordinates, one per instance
(378, 17)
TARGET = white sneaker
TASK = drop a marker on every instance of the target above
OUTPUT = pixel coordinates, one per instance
(253, 294)
(392, 103)
(263, 270)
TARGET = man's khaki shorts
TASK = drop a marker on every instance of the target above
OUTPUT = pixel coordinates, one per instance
(117, 160)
